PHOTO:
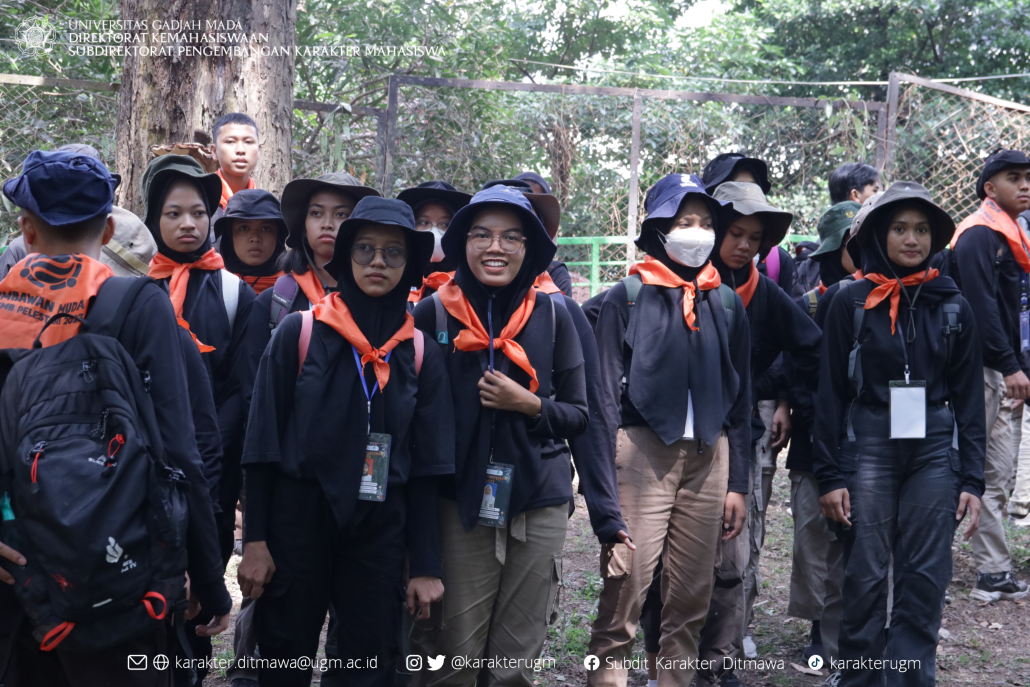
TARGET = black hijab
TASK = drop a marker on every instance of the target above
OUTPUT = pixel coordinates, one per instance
(156, 198)
(830, 269)
(254, 205)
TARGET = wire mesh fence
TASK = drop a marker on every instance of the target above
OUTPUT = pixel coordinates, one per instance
(942, 139)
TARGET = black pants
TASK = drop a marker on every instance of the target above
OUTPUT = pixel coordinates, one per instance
(358, 568)
(903, 501)
(651, 613)
(29, 666)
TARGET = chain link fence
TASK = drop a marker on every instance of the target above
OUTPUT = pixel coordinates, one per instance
(943, 136)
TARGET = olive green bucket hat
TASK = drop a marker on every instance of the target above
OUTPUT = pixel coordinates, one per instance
(154, 177)
(834, 226)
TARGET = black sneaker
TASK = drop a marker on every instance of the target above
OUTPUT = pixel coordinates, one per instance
(996, 586)
(729, 680)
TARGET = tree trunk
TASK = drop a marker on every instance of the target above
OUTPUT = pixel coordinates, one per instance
(176, 96)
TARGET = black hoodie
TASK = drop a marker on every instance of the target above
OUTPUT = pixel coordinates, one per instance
(551, 343)
(957, 381)
(313, 427)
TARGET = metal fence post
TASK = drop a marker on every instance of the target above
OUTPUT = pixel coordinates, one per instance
(391, 136)
(634, 182)
(893, 88)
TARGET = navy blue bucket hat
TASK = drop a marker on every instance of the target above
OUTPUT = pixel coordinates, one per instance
(543, 248)
(663, 201)
(724, 166)
(62, 188)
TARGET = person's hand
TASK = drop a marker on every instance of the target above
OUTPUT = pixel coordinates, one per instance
(971, 503)
(836, 505)
(217, 626)
(194, 607)
(1018, 386)
(499, 391)
(624, 538)
(734, 515)
(423, 591)
(13, 556)
(256, 569)
(779, 434)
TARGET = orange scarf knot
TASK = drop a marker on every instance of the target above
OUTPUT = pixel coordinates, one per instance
(434, 281)
(475, 337)
(654, 272)
(334, 312)
(163, 267)
(227, 192)
(892, 287)
(546, 284)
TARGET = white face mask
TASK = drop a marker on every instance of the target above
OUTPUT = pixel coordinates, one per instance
(690, 247)
(438, 246)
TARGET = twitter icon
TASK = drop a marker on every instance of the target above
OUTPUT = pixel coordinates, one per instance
(435, 663)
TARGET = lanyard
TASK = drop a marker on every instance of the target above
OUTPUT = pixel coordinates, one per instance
(364, 386)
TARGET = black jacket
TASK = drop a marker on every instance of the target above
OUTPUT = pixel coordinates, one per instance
(957, 381)
(205, 417)
(989, 276)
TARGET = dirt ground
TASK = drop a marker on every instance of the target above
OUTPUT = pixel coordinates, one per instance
(986, 644)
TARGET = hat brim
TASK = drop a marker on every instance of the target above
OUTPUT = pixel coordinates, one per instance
(760, 166)
(223, 223)
(775, 222)
(211, 184)
(419, 244)
(547, 209)
(942, 223)
(829, 244)
(415, 197)
(294, 204)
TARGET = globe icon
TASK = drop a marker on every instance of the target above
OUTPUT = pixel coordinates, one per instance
(161, 662)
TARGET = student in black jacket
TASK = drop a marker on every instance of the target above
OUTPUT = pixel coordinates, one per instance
(66, 199)
(991, 257)
(214, 306)
(251, 237)
(434, 204)
(516, 373)
(675, 363)
(899, 434)
(343, 459)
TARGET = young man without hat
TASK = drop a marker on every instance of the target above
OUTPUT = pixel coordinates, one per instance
(238, 149)
(991, 255)
(66, 200)
(853, 181)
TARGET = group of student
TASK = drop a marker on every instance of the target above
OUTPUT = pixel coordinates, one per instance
(398, 393)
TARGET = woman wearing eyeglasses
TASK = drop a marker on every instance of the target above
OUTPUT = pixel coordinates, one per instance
(348, 391)
(516, 372)
(434, 204)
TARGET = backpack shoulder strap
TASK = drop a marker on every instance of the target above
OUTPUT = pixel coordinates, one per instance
(729, 302)
(112, 304)
(772, 264)
(952, 327)
(632, 284)
(230, 295)
(420, 350)
(442, 337)
(307, 319)
(284, 293)
(813, 301)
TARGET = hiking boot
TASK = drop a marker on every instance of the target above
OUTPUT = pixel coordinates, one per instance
(750, 650)
(996, 586)
(729, 680)
(815, 650)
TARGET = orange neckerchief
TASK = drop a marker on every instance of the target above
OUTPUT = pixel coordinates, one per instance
(990, 215)
(259, 284)
(746, 291)
(546, 284)
(227, 192)
(654, 272)
(822, 288)
(892, 288)
(311, 285)
(434, 281)
(40, 286)
(335, 313)
(474, 337)
(162, 267)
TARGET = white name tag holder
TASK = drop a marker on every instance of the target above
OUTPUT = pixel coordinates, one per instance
(908, 408)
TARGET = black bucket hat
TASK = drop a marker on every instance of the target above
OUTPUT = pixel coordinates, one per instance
(251, 203)
(388, 212)
(663, 201)
(724, 166)
(544, 204)
(999, 161)
(748, 199)
(299, 191)
(536, 179)
(834, 226)
(512, 199)
(434, 191)
(881, 207)
(160, 172)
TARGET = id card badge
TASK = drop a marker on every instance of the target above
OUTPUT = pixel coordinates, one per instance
(908, 409)
(493, 511)
(1024, 331)
(376, 468)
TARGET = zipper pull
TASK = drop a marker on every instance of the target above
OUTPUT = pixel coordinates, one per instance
(146, 380)
(100, 431)
(87, 367)
(35, 453)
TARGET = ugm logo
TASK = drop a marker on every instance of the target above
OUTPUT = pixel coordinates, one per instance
(35, 37)
(56, 272)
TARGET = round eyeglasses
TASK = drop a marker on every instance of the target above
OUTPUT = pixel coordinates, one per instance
(364, 254)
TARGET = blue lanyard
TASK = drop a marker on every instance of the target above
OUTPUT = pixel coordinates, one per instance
(490, 331)
(364, 386)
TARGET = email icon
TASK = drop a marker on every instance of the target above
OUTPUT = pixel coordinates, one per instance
(137, 661)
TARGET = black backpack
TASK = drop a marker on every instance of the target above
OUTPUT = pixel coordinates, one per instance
(99, 514)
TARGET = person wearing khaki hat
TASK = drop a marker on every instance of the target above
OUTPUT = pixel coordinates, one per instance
(899, 433)
(753, 229)
(991, 258)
